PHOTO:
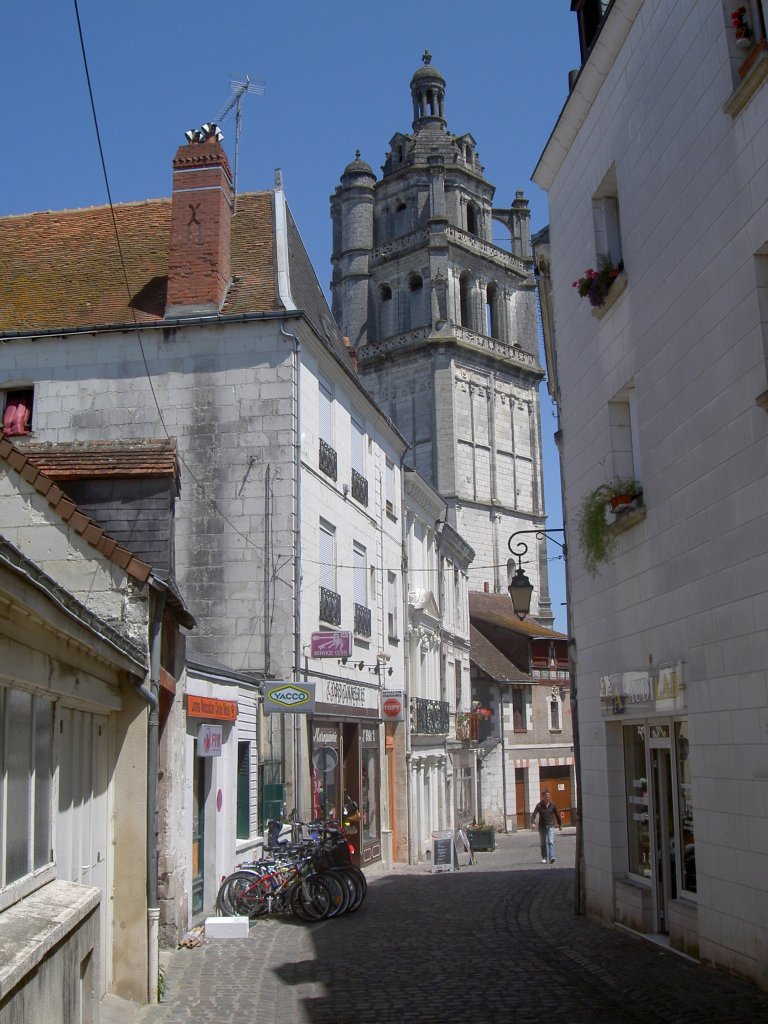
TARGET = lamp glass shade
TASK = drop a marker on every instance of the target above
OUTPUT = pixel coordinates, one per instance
(520, 590)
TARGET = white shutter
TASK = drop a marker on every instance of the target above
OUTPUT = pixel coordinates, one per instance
(327, 556)
(360, 582)
(358, 444)
(325, 412)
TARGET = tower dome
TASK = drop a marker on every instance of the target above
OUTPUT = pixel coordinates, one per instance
(357, 168)
(428, 93)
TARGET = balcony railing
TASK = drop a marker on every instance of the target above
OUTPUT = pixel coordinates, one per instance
(327, 459)
(362, 620)
(359, 487)
(330, 606)
(430, 716)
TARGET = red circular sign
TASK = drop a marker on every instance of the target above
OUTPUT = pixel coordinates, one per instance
(392, 707)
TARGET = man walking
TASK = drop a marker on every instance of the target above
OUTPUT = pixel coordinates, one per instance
(547, 814)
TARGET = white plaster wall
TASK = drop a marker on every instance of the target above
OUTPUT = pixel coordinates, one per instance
(689, 581)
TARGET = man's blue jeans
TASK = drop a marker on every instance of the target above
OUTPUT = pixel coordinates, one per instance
(547, 841)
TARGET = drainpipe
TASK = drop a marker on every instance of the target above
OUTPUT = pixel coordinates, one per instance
(296, 562)
(150, 695)
(407, 667)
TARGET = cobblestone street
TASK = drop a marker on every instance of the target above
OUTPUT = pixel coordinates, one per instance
(493, 942)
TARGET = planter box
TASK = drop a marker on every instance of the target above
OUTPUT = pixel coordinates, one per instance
(481, 840)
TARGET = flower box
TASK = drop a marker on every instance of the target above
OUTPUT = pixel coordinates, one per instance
(481, 840)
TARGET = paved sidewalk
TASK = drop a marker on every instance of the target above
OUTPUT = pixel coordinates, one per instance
(496, 943)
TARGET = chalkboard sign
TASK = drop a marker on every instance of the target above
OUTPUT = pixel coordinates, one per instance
(442, 851)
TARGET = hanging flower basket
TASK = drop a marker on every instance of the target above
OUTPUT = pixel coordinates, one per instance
(741, 28)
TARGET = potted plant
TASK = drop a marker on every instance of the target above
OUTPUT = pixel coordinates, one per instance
(482, 838)
(596, 539)
(741, 27)
(596, 283)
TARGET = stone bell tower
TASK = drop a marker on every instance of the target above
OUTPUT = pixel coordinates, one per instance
(444, 322)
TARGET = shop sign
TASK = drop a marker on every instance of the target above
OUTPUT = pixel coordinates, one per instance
(331, 644)
(660, 689)
(393, 705)
(207, 707)
(291, 698)
(209, 741)
(335, 696)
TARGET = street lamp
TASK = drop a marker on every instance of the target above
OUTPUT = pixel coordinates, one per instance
(520, 591)
(520, 587)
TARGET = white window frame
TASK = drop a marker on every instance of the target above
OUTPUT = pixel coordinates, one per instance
(606, 217)
(36, 875)
(358, 442)
(392, 606)
(325, 412)
(327, 555)
(360, 574)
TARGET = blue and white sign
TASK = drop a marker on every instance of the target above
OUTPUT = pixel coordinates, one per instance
(290, 698)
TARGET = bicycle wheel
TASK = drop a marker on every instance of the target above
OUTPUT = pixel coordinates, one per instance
(311, 899)
(355, 887)
(360, 876)
(340, 895)
(224, 895)
(246, 893)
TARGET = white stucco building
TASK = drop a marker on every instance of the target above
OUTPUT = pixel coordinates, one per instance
(660, 159)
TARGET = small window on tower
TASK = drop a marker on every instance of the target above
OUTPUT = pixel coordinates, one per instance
(17, 412)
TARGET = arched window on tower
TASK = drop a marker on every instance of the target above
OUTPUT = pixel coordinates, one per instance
(400, 225)
(386, 312)
(416, 300)
(492, 311)
(473, 218)
(466, 286)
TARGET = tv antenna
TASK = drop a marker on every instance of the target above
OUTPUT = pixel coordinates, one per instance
(240, 87)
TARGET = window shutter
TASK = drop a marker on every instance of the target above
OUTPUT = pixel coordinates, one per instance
(325, 413)
(327, 557)
(360, 587)
(358, 445)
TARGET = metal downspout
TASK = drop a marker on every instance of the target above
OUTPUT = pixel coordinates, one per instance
(297, 671)
(151, 696)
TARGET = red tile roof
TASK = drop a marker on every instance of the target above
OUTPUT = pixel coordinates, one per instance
(91, 532)
(62, 269)
(75, 460)
(490, 659)
(496, 610)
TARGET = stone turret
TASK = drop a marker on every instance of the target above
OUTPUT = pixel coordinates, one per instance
(352, 213)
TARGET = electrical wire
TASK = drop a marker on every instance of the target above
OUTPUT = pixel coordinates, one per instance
(212, 501)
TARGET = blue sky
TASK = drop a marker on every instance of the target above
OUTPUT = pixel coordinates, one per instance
(337, 77)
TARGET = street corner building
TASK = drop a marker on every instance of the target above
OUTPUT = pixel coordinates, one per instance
(653, 277)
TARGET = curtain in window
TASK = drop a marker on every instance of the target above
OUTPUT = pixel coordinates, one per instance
(18, 409)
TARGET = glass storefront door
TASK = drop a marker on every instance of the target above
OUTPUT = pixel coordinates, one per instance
(664, 877)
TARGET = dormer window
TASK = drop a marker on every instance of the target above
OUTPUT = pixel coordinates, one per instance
(17, 412)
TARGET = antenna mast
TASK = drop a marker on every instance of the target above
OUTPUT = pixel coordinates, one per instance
(239, 87)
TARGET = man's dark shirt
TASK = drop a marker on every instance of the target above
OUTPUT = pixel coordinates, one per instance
(548, 815)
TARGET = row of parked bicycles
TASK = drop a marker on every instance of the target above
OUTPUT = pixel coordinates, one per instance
(312, 878)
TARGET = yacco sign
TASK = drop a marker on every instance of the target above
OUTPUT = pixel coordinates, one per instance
(392, 705)
(331, 644)
(209, 741)
(290, 698)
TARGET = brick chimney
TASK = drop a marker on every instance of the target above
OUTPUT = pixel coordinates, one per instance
(199, 269)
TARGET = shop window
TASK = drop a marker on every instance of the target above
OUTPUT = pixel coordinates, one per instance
(369, 785)
(325, 772)
(26, 776)
(685, 808)
(638, 825)
(17, 411)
